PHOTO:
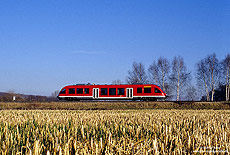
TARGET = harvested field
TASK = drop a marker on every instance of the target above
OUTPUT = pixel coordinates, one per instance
(114, 131)
(113, 105)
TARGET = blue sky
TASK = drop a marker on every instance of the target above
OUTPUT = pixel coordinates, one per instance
(45, 45)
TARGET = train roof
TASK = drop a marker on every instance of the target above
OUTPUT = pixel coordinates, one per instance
(93, 84)
(115, 84)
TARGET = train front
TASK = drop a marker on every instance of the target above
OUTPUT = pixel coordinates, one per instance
(62, 94)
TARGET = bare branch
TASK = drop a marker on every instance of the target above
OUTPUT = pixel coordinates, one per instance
(180, 76)
(159, 73)
(208, 75)
(137, 74)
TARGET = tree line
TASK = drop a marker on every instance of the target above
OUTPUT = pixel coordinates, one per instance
(11, 96)
(211, 76)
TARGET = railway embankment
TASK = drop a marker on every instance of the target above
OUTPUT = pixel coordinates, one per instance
(113, 105)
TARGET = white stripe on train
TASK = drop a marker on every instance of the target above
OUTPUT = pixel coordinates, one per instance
(111, 97)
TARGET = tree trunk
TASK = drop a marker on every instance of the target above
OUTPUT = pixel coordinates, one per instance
(206, 90)
(178, 92)
(213, 91)
(163, 81)
(226, 92)
(212, 85)
(226, 87)
(178, 88)
(207, 93)
(228, 84)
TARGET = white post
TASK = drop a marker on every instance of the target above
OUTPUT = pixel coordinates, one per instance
(14, 98)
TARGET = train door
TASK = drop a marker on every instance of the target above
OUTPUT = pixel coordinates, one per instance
(95, 93)
(129, 92)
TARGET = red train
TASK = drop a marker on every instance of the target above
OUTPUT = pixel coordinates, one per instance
(145, 92)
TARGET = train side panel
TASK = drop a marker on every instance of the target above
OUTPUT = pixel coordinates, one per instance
(111, 92)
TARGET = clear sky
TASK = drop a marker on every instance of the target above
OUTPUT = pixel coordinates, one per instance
(46, 44)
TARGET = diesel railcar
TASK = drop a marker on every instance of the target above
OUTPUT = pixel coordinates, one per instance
(144, 92)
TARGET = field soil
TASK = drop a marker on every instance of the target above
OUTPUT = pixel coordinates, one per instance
(112, 105)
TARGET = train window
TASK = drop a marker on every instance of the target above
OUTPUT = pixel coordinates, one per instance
(63, 91)
(139, 90)
(71, 90)
(147, 90)
(157, 90)
(120, 91)
(112, 91)
(79, 90)
(104, 91)
(86, 90)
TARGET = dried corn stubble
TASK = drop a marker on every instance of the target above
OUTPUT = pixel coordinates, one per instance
(114, 132)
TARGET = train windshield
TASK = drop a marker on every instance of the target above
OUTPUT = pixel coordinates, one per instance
(157, 90)
(63, 91)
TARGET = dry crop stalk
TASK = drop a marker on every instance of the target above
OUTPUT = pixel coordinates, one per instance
(114, 132)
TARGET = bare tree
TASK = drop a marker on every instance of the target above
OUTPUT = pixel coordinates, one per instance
(208, 74)
(55, 94)
(116, 82)
(12, 95)
(225, 65)
(212, 62)
(179, 76)
(137, 74)
(159, 73)
(203, 79)
(191, 93)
